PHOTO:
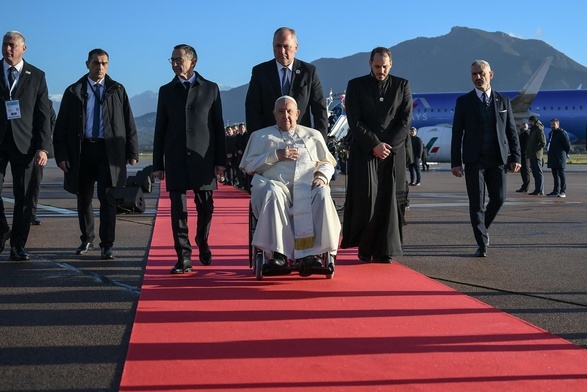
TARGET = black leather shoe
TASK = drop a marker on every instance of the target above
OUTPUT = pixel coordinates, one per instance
(205, 254)
(17, 253)
(3, 238)
(382, 259)
(311, 262)
(277, 261)
(365, 258)
(536, 193)
(481, 252)
(35, 221)
(107, 253)
(522, 190)
(183, 265)
(84, 248)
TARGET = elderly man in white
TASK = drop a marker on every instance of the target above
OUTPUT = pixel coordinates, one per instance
(290, 197)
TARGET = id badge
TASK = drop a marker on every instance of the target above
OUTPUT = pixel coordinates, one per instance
(12, 110)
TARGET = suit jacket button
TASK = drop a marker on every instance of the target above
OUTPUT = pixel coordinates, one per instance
(189, 129)
(189, 108)
(189, 153)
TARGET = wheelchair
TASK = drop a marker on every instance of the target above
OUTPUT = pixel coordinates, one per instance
(258, 261)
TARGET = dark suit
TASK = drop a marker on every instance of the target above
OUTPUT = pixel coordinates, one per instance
(19, 140)
(103, 161)
(189, 142)
(482, 138)
(305, 88)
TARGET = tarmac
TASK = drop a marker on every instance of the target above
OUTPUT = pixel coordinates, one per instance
(65, 320)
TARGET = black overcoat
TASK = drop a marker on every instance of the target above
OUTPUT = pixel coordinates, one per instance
(120, 132)
(189, 135)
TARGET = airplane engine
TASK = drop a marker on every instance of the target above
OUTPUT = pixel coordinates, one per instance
(437, 140)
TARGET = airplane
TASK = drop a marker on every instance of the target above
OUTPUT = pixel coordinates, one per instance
(433, 113)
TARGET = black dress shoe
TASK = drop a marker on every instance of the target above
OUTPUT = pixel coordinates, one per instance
(107, 253)
(521, 190)
(311, 262)
(536, 193)
(382, 259)
(17, 253)
(183, 265)
(84, 248)
(3, 238)
(365, 258)
(35, 221)
(481, 252)
(205, 254)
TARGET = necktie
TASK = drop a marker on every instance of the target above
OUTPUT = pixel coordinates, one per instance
(485, 101)
(11, 77)
(97, 105)
(285, 82)
(187, 85)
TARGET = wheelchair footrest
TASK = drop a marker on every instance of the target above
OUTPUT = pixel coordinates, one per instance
(276, 271)
(305, 271)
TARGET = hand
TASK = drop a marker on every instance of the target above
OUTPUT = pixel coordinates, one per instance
(317, 182)
(41, 158)
(132, 161)
(219, 171)
(288, 154)
(382, 150)
(458, 171)
(160, 174)
(515, 167)
(64, 165)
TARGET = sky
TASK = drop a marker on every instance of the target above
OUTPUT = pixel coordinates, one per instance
(231, 36)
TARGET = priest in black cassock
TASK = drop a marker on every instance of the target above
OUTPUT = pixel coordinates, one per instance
(379, 113)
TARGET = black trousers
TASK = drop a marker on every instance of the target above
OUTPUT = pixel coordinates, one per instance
(37, 178)
(479, 180)
(179, 220)
(21, 166)
(94, 167)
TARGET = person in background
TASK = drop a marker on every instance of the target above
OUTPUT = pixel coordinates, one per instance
(559, 147)
(189, 151)
(534, 152)
(95, 138)
(37, 177)
(525, 169)
(417, 151)
(483, 135)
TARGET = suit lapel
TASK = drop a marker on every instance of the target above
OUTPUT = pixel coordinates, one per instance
(296, 75)
(3, 87)
(22, 80)
(274, 79)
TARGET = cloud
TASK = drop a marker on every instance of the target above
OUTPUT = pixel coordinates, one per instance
(56, 97)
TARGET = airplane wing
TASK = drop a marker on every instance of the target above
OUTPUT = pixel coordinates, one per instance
(521, 103)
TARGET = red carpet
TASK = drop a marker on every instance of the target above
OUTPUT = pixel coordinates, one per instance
(373, 327)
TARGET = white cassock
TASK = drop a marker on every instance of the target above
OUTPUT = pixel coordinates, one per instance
(292, 218)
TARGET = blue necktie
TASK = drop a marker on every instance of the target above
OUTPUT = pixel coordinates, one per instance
(97, 104)
(11, 77)
(285, 82)
(485, 101)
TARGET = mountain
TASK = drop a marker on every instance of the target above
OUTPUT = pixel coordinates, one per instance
(439, 64)
(143, 103)
(442, 64)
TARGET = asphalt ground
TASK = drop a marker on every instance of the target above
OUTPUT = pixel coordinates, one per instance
(65, 320)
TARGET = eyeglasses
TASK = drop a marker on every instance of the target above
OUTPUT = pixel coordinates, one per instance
(178, 60)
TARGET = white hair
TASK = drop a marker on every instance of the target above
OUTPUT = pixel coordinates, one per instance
(283, 98)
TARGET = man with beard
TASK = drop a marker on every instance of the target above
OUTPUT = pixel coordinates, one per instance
(379, 112)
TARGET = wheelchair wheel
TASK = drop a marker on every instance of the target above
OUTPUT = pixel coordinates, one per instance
(259, 261)
(330, 265)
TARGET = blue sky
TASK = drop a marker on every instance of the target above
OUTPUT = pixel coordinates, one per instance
(232, 36)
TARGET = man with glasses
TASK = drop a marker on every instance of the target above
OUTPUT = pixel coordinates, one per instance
(189, 151)
(95, 138)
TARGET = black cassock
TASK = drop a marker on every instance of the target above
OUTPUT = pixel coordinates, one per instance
(377, 188)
